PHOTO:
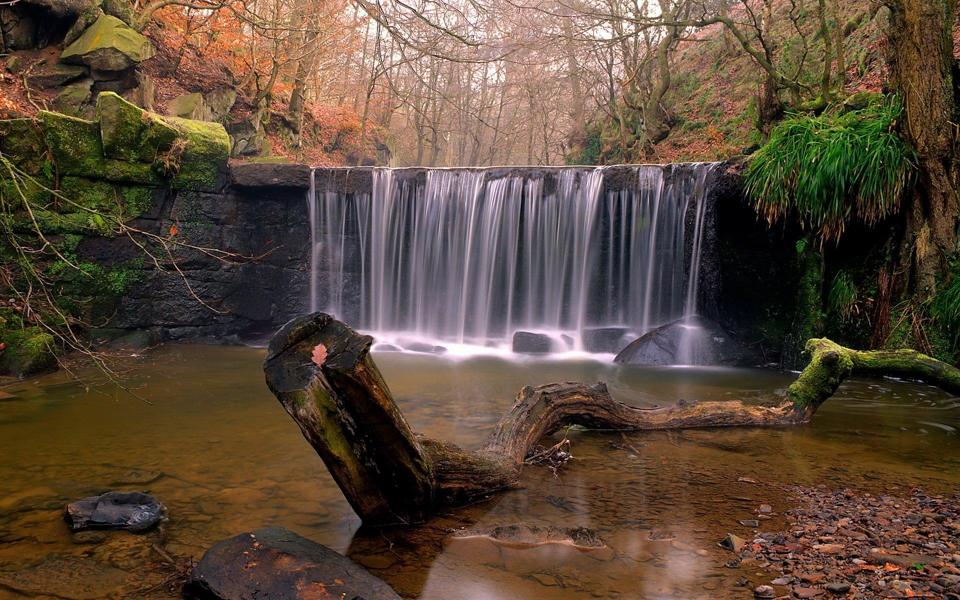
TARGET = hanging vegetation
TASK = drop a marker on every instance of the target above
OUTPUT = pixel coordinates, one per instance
(834, 168)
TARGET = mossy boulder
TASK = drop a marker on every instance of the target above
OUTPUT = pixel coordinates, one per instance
(108, 45)
(21, 140)
(75, 144)
(202, 165)
(28, 351)
(84, 20)
(130, 133)
(74, 99)
(130, 145)
(189, 106)
(127, 201)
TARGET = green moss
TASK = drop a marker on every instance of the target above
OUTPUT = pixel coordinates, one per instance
(118, 200)
(136, 200)
(28, 351)
(130, 133)
(109, 44)
(21, 140)
(14, 195)
(75, 144)
(829, 365)
(203, 162)
(132, 172)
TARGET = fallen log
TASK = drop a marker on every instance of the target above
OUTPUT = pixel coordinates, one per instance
(322, 373)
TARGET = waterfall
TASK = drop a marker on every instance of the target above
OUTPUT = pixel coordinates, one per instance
(465, 258)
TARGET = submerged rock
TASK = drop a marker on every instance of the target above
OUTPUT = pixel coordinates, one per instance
(519, 536)
(67, 577)
(277, 564)
(688, 341)
(529, 549)
(133, 511)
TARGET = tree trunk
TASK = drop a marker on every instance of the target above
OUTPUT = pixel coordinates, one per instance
(323, 375)
(921, 65)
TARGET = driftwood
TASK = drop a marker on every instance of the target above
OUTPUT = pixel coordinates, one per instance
(322, 373)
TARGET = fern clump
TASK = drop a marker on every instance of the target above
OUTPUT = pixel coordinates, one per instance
(833, 168)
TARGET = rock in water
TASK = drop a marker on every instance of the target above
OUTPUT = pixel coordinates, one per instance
(604, 339)
(688, 341)
(276, 564)
(132, 511)
(527, 342)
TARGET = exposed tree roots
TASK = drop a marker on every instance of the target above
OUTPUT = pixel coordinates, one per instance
(322, 373)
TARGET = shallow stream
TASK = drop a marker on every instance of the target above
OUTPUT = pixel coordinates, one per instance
(210, 441)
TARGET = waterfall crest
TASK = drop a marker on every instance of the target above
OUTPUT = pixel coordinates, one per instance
(469, 257)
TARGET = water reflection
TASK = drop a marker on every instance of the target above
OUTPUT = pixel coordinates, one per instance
(219, 451)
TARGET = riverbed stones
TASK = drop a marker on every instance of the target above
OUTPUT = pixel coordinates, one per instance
(764, 591)
(847, 544)
(277, 564)
(133, 511)
(67, 578)
(733, 542)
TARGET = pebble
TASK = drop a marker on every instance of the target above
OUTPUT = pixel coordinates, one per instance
(838, 588)
(764, 591)
(859, 545)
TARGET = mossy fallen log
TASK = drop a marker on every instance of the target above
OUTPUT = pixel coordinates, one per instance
(830, 363)
(323, 375)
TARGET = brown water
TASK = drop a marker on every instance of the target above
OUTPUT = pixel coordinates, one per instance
(218, 450)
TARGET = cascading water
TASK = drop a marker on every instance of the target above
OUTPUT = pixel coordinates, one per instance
(465, 258)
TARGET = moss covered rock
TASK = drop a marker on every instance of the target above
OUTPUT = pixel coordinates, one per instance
(108, 45)
(75, 144)
(28, 351)
(21, 140)
(202, 164)
(189, 106)
(74, 99)
(130, 133)
(126, 201)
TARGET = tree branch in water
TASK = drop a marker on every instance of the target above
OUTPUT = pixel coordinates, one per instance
(324, 376)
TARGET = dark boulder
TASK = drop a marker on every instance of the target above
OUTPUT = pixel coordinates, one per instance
(276, 564)
(270, 175)
(689, 341)
(604, 339)
(527, 342)
(133, 511)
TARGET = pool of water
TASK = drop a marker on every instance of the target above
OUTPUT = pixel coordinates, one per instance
(209, 440)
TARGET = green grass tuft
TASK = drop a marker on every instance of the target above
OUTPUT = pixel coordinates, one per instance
(834, 168)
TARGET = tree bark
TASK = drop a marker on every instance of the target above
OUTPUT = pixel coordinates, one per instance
(921, 65)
